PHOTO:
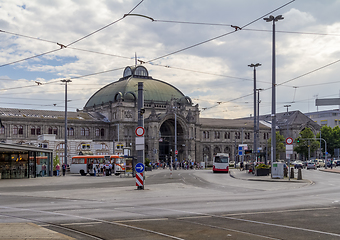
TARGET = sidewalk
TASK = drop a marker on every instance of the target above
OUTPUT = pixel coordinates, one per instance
(244, 175)
(29, 231)
(334, 170)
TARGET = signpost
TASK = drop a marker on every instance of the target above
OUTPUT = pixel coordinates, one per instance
(289, 150)
(139, 175)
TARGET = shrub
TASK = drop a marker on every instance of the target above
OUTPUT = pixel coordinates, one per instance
(262, 166)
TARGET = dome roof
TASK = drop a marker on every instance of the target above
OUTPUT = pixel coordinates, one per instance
(126, 89)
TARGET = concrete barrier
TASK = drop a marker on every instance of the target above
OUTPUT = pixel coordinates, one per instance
(299, 174)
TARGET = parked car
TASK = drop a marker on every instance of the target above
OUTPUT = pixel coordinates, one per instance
(298, 164)
(336, 162)
(311, 165)
(319, 163)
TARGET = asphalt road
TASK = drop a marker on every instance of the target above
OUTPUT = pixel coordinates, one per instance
(189, 205)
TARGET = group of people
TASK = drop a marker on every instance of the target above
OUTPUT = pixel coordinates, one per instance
(101, 170)
(178, 165)
(63, 166)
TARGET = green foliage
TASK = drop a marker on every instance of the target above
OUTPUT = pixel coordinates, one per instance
(331, 136)
(55, 162)
(280, 146)
(262, 166)
(147, 162)
(306, 140)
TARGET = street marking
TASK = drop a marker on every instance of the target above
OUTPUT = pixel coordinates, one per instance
(93, 219)
(280, 211)
(194, 217)
(85, 223)
(144, 219)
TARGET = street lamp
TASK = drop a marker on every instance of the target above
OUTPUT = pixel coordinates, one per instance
(65, 148)
(258, 116)
(273, 132)
(287, 106)
(255, 123)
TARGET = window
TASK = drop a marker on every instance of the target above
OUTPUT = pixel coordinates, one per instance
(82, 131)
(265, 135)
(87, 132)
(38, 131)
(32, 130)
(247, 135)
(102, 132)
(21, 130)
(70, 131)
(217, 135)
(205, 134)
(15, 130)
(227, 135)
(237, 135)
(50, 130)
(2, 130)
(97, 132)
(55, 131)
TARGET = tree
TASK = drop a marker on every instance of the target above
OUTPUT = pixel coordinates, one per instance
(331, 136)
(280, 146)
(55, 162)
(306, 143)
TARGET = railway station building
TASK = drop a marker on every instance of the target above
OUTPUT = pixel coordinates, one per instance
(106, 124)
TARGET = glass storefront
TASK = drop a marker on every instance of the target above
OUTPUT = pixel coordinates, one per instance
(28, 164)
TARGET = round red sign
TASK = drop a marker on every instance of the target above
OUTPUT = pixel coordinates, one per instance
(289, 140)
(139, 131)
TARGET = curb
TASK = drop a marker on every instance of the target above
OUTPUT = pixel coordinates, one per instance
(272, 180)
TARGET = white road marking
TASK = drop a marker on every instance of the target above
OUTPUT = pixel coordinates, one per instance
(94, 219)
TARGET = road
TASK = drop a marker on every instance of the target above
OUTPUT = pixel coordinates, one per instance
(192, 204)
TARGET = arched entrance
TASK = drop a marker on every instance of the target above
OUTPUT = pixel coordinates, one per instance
(167, 141)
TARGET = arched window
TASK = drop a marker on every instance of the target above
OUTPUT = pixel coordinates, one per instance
(50, 130)
(97, 132)
(102, 132)
(60, 151)
(38, 131)
(55, 130)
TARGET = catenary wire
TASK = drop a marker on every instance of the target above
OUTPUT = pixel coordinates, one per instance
(214, 38)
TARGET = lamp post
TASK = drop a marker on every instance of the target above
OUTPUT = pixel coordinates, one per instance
(255, 113)
(258, 116)
(65, 148)
(273, 19)
(287, 106)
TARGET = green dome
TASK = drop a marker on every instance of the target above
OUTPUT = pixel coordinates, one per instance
(126, 89)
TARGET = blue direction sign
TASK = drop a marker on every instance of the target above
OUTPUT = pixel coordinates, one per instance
(139, 167)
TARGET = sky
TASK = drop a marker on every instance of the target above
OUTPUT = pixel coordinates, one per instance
(190, 44)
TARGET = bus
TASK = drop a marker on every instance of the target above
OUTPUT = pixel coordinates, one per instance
(221, 162)
(85, 164)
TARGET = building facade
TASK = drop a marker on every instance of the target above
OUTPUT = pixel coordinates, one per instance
(107, 124)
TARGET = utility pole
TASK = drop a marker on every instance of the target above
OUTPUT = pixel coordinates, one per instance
(255, 112)
(65, 148)
(273, 19)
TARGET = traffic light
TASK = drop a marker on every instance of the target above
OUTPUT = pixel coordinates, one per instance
(298, 140)
(142, 111)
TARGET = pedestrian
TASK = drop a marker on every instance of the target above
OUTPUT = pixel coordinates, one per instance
(94, 171)
(241, 166)
(64, 169)
(58, 169)
(43, 168)
(110, 169)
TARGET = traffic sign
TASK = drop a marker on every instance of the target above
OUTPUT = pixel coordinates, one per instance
(176, 152)
(289, 140)
(139, 167)
(139, 131)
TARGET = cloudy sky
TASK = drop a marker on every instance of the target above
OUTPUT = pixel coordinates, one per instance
(190, 45)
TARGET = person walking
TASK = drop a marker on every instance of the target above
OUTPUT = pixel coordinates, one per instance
(58, 169)
(64, 169)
